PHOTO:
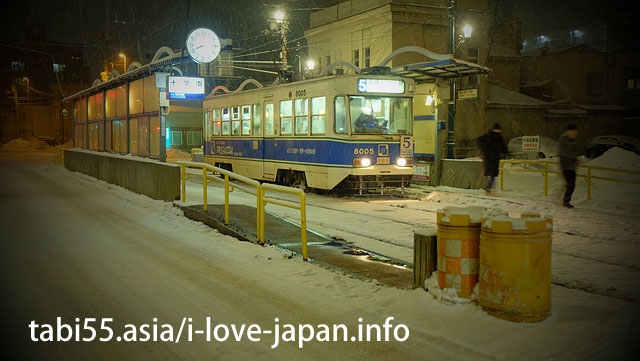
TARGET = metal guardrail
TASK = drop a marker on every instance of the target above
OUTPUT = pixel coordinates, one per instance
(302, 206)
(58, 157)
(259, 192)
(545, 172)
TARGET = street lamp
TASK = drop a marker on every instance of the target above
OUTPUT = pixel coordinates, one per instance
(466, 30)
(279, 16)
(125, 61)
(311, 64)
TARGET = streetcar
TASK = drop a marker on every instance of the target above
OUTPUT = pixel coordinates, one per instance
(339, 132)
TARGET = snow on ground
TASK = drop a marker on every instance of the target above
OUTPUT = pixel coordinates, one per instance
(595, 246)
(31, 143)
(96, 249)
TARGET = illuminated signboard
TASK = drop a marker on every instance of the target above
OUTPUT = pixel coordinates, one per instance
(186, 88)
(381, 86)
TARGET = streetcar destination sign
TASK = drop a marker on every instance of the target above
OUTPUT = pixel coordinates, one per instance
(391, 86)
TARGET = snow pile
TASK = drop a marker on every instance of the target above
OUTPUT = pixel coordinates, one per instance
(618, 193)
(174, 155)
(617, 158)
(32, 143)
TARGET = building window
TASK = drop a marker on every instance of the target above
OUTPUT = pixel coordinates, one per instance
(319, 64)
(595, 83)
(58, 68)
(17, 66)
(356, 57)
(327, 59)
(194, 137)
(367, 57)
(176, 138)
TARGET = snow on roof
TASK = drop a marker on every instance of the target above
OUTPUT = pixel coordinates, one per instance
(502, 96)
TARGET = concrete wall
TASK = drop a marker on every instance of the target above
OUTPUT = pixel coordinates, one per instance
(153, 179)
(462, 173)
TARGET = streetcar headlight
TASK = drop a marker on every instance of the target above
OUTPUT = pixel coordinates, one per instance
(361, 162)
(401, 162)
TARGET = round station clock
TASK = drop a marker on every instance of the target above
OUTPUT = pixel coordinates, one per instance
(203, 45)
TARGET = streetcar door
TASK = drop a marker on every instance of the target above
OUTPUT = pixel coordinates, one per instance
(269, 155)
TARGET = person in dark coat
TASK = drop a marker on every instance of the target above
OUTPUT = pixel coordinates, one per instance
(492, 148)
(568, 161)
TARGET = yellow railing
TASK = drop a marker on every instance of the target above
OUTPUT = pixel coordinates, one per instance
(58, 157)
(546, 170)
(258, 192)
(302, 206)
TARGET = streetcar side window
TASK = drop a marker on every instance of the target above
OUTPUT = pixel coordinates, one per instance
(217, 121)
(318, 118)
(225, 121)
(235, 121)
(302, 116)
(268, 119)
(246, 120)
(256, 120)
(340, 125)
(208, 128)
(285, 117)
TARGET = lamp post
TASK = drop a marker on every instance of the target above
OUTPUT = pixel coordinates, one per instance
(27, 80)
(466, 30)
(452, 93)
(125, 61)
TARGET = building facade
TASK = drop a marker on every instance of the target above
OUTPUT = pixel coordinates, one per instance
(365, 32)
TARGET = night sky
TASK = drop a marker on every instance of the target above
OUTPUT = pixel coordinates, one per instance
(139, 28)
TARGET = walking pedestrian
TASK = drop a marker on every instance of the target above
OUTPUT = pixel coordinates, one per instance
(491, 147)
(568, 161)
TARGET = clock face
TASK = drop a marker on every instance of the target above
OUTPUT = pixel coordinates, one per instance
(203, 45)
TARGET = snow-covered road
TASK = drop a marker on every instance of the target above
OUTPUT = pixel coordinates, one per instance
(76, 247)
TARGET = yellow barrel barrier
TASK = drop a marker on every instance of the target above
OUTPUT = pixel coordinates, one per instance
(515, 267)
(458, 248)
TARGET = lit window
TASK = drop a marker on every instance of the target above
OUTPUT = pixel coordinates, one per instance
(58, 68)
(17, 66)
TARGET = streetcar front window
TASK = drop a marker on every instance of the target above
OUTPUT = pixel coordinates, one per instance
(380, 115)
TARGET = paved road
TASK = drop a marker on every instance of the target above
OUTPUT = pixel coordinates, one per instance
(74, 248)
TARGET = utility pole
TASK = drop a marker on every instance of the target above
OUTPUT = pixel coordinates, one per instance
(452, 92)
(15, 97)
